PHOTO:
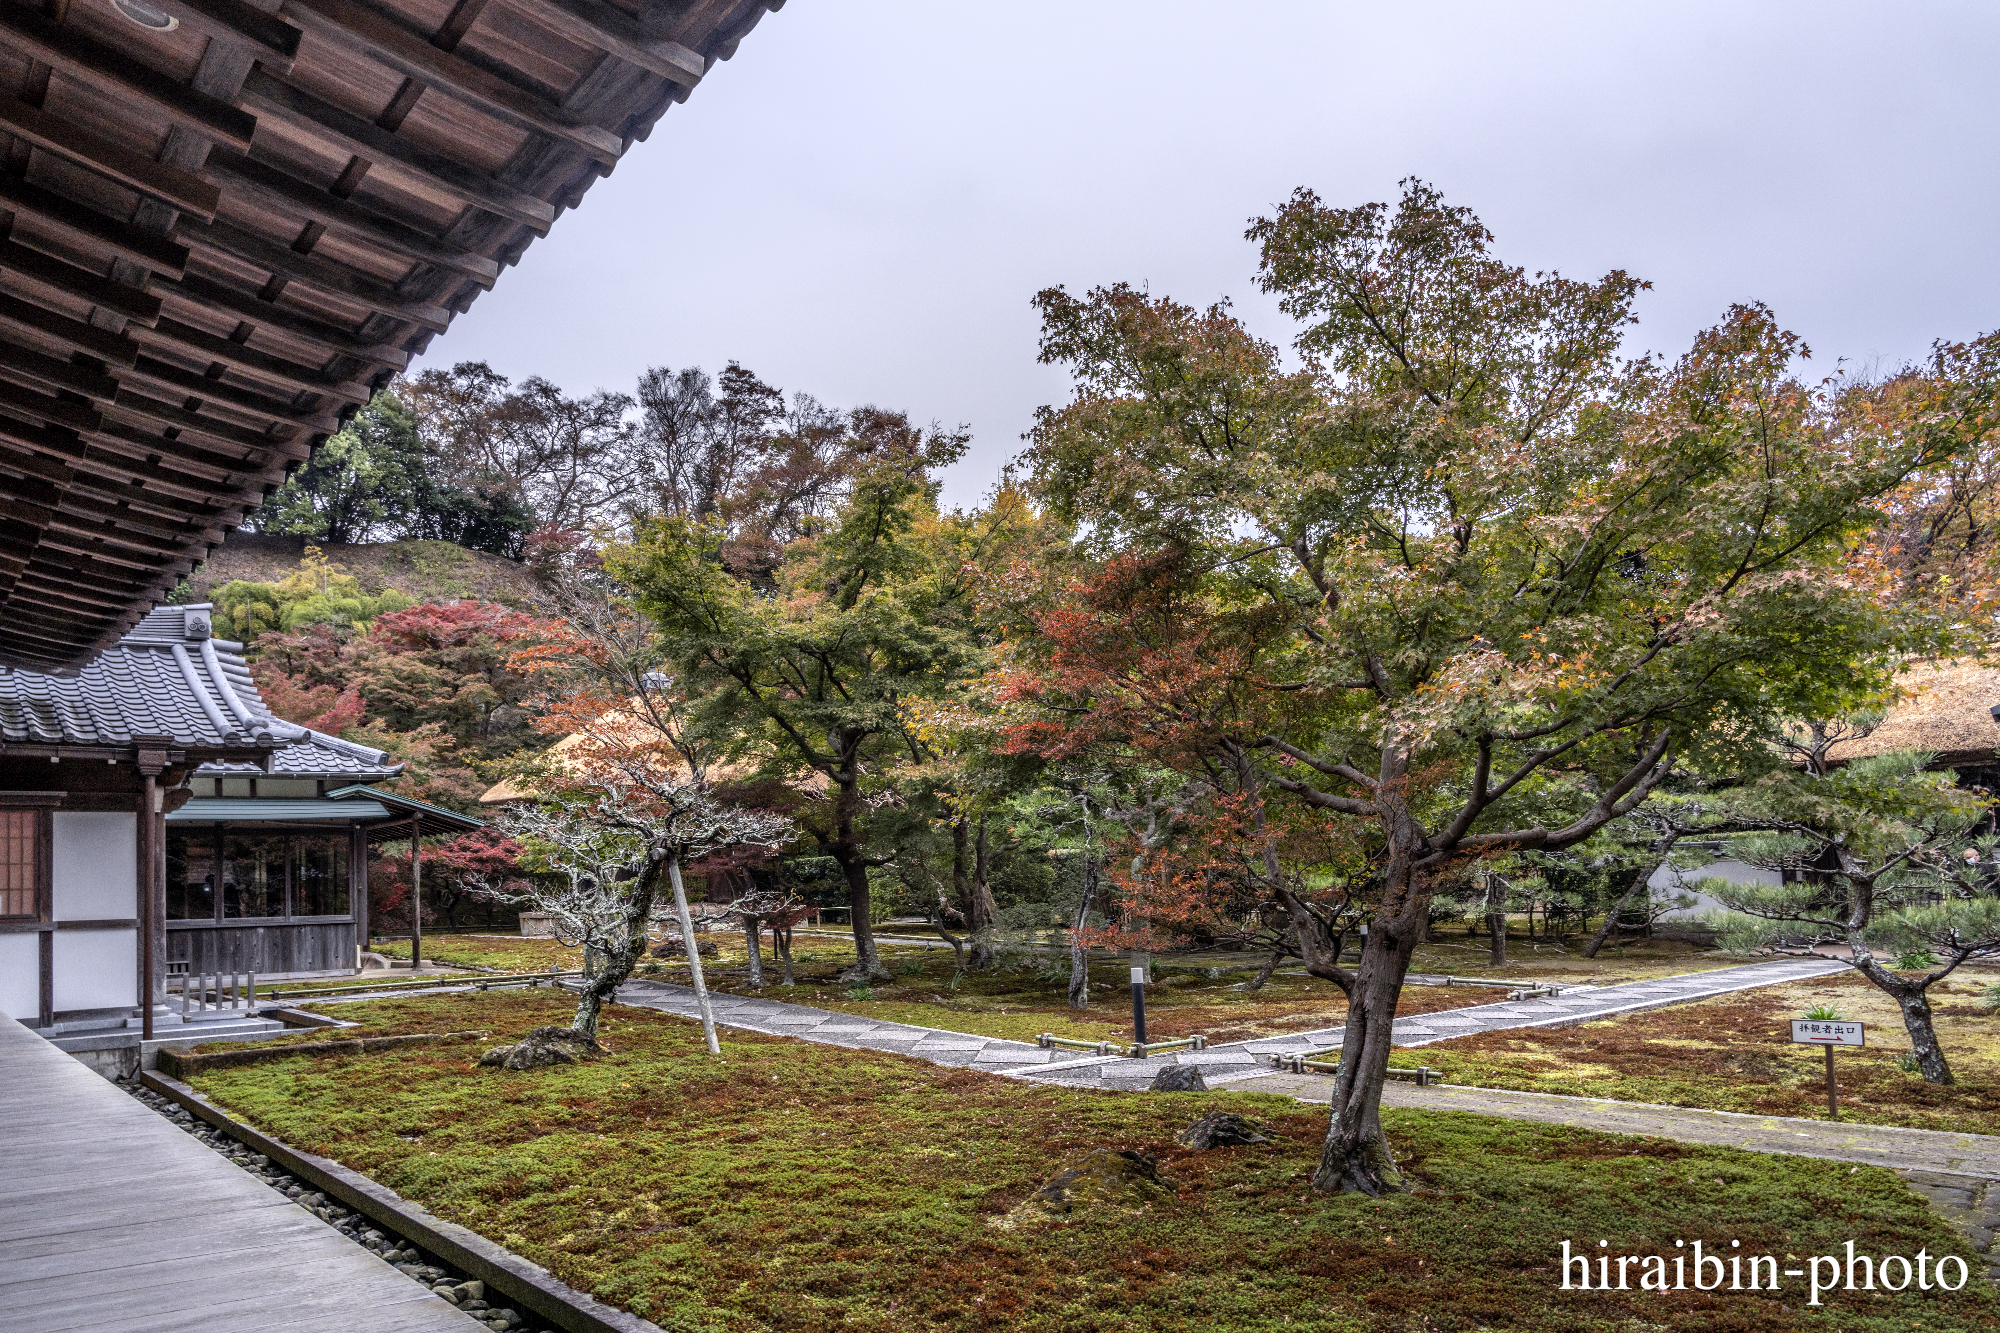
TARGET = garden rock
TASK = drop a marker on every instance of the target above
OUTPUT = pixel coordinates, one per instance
(542, 1047)
(674, 947)
(1224, 1129)
(1100, 1182)
(1178, 1078)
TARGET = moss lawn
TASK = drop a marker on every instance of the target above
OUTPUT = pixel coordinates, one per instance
(793, 1187)
(1734, 1053)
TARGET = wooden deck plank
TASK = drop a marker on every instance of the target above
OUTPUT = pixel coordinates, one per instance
(112, 1219)
(22, 1258)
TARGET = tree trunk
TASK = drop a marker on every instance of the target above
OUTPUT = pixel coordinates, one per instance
(1913, 999)
(980, 909)
(1079, 956)
(616, 964)
(1256, 983)
(1496, 920)
(694, 956)
(781, 945)
(845, 848)
(1639, 884)
(957, 944)
(753, 932)
(1356, 1154)
(1916, 1007)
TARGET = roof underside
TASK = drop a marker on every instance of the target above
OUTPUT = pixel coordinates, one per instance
(214, 809)
(222, 238)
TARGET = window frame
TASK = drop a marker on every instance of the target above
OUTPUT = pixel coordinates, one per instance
(217, 835)
(42, 805)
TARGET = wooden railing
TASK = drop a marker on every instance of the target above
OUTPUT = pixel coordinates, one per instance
(214, 992)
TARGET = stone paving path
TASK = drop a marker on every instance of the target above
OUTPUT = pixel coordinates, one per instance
(1580, 1004)
(1219, 1064)
(958, 1049)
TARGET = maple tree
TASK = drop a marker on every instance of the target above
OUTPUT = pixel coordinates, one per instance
(865, 613)
(1937, 550)
(1472, 579)
(430, 664)
(628, 804)
(330, 708)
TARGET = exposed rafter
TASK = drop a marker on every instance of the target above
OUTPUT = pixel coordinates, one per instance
(215, 243)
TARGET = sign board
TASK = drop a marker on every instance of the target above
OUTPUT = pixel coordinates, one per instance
(1820, 1032)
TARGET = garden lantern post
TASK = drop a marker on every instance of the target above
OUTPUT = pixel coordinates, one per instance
(416, 893)
(1142, 963)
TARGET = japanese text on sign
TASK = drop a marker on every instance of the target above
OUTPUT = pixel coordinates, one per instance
(1821, 1032)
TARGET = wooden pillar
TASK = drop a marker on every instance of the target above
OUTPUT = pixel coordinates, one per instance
(152, 886)
(45, 969)
(148, 962)
(416, 893)
(357, 888)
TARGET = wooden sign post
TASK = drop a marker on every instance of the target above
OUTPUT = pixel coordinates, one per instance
(1829, 1033)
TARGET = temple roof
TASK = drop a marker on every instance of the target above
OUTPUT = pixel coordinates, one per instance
(229, 224)
(318, 755)
(166, 679)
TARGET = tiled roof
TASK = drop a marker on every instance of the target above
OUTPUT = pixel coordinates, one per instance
(317, 756)
(432, 819)
(207, 809)
(165, 678)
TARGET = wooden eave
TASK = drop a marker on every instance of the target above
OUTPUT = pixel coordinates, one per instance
(216, 242)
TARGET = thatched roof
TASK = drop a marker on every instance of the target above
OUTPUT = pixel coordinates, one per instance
(616, 726)
(1946, 711)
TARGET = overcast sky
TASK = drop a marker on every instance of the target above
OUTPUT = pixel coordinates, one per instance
(861, 203)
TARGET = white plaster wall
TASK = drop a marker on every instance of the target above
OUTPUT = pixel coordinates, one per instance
(97, 969)
(21, 976)
(1733, 871)
(96, 871)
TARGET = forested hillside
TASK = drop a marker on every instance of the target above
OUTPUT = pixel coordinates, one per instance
(429, 571)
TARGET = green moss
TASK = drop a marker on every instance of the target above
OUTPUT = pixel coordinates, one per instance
(1735, 1053)
(805, 1188)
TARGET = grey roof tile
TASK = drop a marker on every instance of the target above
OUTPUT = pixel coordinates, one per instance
(165, 678)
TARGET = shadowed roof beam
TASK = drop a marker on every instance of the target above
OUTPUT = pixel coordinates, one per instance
(127, 167)
(90, 228)
(115, 73)
(362, 29)
(185, 338)
(616, 33)
(313, 271)
(275, 42)
(365, 139)
(273, 186)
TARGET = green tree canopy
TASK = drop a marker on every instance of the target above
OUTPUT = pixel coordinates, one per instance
(812, 676)
(1501, 576)
(377, 479)
(319, 592)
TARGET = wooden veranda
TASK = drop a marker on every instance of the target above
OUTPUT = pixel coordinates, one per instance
(227, 222)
